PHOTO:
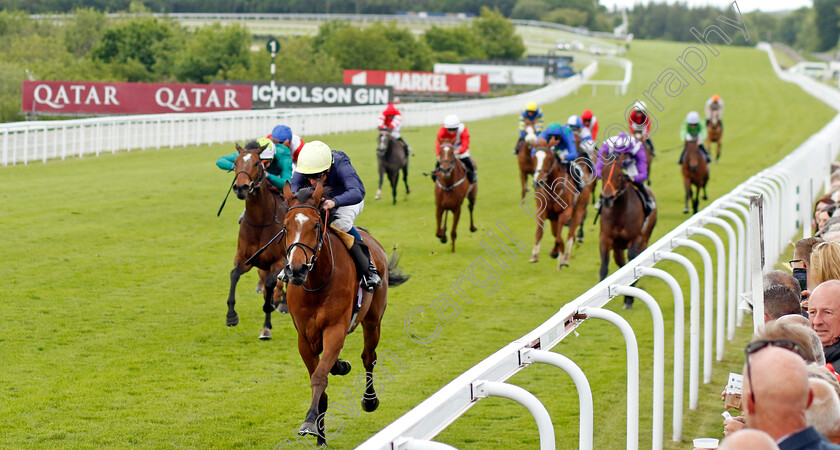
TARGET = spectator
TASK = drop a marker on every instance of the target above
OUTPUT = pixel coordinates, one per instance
(783, 278)
(825, 262)
(748, 439)
(780, 300)
(824, 412)
(818, 206)
(809, 348)
(823, 215)
(824, 311)
(831, 229)
(801, 262)
(775, 396)
(815, 343)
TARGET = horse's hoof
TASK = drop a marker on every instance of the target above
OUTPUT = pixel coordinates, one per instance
(580, 240)
(553, 254)
(685, 211)
(442, 239)
(308, 428)
(340, 368)
(233, 321)
(534, 259)
(627, 305)
(282, 308)
(370, 405)
(705, 198)
(265, 335)
(473, 229)
(407, 191)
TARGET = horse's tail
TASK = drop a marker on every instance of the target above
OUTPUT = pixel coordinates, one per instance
(395, 275)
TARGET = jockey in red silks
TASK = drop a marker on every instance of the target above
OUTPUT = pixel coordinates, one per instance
(392, 120)
(640, 124)
(634, 166)
(590, 122)
(456, 132)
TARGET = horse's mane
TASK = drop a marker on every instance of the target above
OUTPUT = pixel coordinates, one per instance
(253, 145)
(304, 194)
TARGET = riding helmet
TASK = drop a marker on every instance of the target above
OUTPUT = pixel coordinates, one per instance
(315, 157)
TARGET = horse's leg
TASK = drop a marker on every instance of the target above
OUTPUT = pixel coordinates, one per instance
(695, 202)
(232, 317)
(440, 232)
(394, 178)
(333, 340)
(605, 245)
(719, 144)
(535, 252)
(405, 176)
(268, 304)
(523, 178)
(471, 197)
(556, 231)
(453, 233)
(371, 330)
(705, 197)
(687, 185)
(381, 175)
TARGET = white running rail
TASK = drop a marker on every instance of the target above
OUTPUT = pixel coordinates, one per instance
(779, 184)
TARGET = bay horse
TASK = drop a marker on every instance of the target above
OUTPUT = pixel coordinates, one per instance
(648, 152)
(558, 201)
(323, 285)
(695, 172)
(714, 133)
(390, 154)
(523, 156)
(451, 187)
(262, 220)
(623, 222)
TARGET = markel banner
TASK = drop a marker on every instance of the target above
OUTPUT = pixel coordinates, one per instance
(76, 97)
(426, 82)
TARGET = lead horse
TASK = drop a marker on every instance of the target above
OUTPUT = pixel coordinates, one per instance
(323, 285)
(451, 187)
(623, 222)
(261, 221)
(390, 155)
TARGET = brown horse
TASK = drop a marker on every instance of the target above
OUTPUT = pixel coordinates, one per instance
(264, 210)
(623, 222)
(587, 151)
(715, 133)
(558, 201)
(323, 285)
(451, 187)
(523, 156)
(390, 155)
(695, 172)
(648, 152)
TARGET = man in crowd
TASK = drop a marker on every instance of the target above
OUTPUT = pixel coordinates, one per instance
(780, 300)
(824, 311)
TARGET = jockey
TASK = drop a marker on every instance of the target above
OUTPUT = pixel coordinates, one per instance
(318, 164)
(640, 123)
(693, 130)
(561, 140)
(584, 135)
(591, 122)
(635, 165)
(456, 132)
(276, 159)
(281, 134)
(392, 120)
(531, 115)
(714, 104)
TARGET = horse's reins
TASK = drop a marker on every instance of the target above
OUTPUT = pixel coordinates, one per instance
(457, 183)
(319, 241)
(262, 178)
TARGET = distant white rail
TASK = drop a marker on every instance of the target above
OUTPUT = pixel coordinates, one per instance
(620, 85)
(781, 186)
(24, 142)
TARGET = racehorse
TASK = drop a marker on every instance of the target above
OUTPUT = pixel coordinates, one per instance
(451, 187)
(587, 151)
(695, 172)
(623, 222)
(715, 133)
(648, 152)
(558, 201)
(391, 156)
(262, 220)
(323, 287)
(523, 156)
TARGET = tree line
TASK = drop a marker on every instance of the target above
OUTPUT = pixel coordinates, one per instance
(88, 46)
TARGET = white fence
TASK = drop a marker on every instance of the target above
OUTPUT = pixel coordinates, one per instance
(784, 187)
(23, 142)
(620, 85)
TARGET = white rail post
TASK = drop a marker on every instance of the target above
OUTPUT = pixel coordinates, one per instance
(658, 358)
(743, 255)
(587, 408)
(679, 342)
(720, 321)
(732, 269)
(693, 326)
(708, 307)
(419, 444)
(632, 369)
(757, 260)
(806, 200)
(484, 388)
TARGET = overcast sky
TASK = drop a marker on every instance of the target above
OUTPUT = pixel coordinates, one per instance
(744, 5)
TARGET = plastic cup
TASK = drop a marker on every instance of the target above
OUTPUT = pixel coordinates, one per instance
(705, 443)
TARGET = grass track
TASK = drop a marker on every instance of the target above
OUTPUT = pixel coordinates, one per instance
(116, 271)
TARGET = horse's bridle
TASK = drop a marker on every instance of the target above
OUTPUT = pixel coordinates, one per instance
(454, 161)
(309, 252)
(382, 133)
(550, 169)
(254, 184)
(608, 182)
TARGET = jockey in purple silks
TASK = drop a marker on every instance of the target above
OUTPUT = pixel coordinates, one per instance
(634, 166)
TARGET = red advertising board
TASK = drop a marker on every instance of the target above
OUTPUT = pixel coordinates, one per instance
(426, 82)
(76, 97)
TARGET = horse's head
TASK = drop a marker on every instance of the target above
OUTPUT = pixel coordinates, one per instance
(447, 159)
(250, 172)
(544, 163)
(614, 179)
(530, 135)
(304, 231)
(384, 140)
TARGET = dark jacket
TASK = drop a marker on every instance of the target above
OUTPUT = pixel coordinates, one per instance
(832, 354)
(807, 439)
(345, 185)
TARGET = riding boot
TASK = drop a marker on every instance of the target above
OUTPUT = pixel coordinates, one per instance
(471, 172)
(435, 172)
(364, 265)
(405, 147)
(720, 122)
(682, 155)
(516, 147)
(575, 180)
(650, 144)
(646, 200)
(705, 153)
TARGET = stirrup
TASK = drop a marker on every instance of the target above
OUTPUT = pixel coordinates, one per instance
(371, 280)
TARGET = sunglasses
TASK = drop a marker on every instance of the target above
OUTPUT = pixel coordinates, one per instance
(797, 262)
(756, 346)
(315, 176)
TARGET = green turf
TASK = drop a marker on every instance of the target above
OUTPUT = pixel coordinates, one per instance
(116, 274)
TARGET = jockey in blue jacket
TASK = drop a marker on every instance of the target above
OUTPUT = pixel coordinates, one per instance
(561, 140)
(317, 163)
(531, 114)
(635, 166)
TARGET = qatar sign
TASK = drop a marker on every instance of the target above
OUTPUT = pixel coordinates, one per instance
(426, 82)
(76, 97)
